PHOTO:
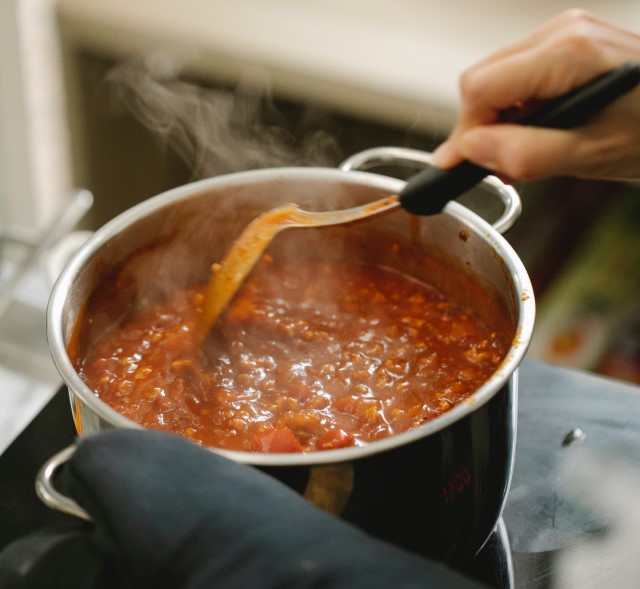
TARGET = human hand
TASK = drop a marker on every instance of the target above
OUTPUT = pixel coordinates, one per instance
(566, 52)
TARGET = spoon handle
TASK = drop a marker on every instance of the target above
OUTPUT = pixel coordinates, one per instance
(428, 192)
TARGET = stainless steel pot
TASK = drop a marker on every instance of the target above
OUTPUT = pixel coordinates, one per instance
(438, 489)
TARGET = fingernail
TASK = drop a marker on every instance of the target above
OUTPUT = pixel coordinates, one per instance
(444, 156)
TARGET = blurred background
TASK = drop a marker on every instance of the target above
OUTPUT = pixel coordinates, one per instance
(128, 99)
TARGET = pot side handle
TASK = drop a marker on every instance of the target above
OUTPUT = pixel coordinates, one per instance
(381, 156)
(47, 492)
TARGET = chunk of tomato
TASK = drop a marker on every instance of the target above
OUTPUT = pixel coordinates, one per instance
(280, 439)
(334, 438)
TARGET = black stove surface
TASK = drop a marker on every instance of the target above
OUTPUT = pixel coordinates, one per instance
(571, 519)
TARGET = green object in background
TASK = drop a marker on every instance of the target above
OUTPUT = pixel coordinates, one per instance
(595, 301)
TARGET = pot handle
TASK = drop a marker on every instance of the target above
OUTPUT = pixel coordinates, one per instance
(47, 492)
(381, 156)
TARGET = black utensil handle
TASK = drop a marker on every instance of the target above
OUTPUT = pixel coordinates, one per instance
(428, 192)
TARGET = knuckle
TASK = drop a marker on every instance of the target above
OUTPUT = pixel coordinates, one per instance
(521, 162)
(471, 84)
(579, 36)
(576, 15)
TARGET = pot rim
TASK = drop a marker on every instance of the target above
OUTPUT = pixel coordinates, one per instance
(506, 370)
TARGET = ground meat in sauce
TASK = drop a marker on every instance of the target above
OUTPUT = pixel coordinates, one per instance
(309, 356)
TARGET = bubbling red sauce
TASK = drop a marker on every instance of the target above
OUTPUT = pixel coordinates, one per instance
(311, 355)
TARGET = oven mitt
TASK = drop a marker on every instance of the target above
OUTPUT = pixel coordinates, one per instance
(168, 513)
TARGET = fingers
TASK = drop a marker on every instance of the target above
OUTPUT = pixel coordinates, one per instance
(528, 153)
(566, 52)
(554, 28)
(517, 152)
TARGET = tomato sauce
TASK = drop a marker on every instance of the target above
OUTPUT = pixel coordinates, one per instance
(311, 355)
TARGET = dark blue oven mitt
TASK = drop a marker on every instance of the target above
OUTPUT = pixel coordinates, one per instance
(167, 513)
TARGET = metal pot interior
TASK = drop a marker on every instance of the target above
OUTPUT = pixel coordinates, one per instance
(171, 241)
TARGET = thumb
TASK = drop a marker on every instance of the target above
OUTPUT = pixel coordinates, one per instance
(520, 153)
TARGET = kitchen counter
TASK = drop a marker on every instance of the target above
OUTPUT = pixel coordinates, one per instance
(396, 62)
(571, 519)
(28, 378)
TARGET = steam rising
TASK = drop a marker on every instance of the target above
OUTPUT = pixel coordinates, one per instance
(215, 130)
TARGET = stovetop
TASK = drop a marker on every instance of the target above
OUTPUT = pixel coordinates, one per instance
(572, 517)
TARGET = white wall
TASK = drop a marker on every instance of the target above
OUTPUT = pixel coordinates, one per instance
(34, 158)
